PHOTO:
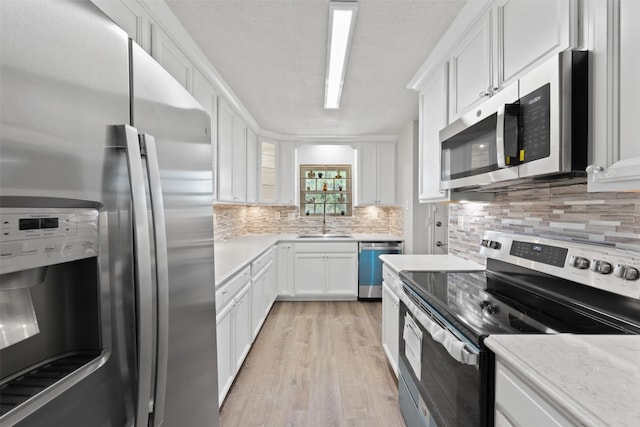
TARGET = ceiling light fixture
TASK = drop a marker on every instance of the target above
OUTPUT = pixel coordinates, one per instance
(342, 18)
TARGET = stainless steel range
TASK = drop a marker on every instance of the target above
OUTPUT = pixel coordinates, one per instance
(531, 285)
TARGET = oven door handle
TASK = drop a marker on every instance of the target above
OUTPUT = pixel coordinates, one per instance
(448, 340)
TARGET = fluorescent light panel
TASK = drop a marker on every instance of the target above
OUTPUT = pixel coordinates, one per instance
(342, 16)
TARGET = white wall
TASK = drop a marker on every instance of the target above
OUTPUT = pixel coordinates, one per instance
(326, 154)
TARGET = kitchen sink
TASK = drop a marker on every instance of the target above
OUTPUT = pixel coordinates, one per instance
(324, 236)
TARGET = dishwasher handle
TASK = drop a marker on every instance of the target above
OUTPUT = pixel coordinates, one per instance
(380, 246)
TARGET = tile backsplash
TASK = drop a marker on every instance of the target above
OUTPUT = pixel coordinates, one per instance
(564, 212)
(239, 220)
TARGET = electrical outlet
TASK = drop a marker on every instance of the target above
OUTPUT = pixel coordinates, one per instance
(460, 223)
(291, 216)
(277, 215)
(215, 219)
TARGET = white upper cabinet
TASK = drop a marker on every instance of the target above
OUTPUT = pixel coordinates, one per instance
(376, 184)
(529, 32)
(433, 117)
(267, 172)
(232, 155)
(131, 17)
(616, 67)
(286, 173)
(252, 166)
(470, 70)
(171, 57)
(507, 39)
(204, 92)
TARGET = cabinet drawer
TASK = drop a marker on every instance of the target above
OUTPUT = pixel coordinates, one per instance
(328, 247)
(261, 262)
(230, 288)
(388, 275)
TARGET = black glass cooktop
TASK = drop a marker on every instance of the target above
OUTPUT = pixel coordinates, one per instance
(481, 303)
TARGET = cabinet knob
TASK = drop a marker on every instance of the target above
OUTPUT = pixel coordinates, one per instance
(440, 244)
(438, 224)
(484, 93)
(594, 169)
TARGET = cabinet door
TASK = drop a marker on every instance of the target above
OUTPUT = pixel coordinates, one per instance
(131, 18)
(433, 117)
(341, 274)
(309, 276)
(386, 174)
(286, 173)
(285, 269)
(616, 66)
(267, 172)
(242, 326)
(270, 287)
(171, 57)
(239, 163)
(252, 167)
(225, 152)
(226, 365)
(258, 295)
(470, 72)
(206, 95)
(390, 324)
(531, 31)
(367, 174)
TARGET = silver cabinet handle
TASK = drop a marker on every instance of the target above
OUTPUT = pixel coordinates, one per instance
(129, 141)
(148, 144)
(440, 244)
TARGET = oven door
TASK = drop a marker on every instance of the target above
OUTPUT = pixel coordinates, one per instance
(443, 380)
(482, 146)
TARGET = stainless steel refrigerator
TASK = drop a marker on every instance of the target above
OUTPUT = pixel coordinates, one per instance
(107, 311)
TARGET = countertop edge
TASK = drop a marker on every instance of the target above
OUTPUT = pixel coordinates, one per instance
(552, 394)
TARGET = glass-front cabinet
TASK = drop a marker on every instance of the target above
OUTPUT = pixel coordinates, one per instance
(325, 187)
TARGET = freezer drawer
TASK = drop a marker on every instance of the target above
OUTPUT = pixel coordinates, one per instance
(370, 266)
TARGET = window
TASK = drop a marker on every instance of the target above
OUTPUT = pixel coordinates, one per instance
(325, 187)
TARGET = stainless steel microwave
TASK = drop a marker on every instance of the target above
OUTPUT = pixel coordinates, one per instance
(535, 128)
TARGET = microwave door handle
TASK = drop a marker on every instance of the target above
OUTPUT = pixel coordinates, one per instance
(149, 145)
(500, 149)
(143, 277)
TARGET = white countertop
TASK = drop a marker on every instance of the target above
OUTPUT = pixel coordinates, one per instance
(594, 378)
(429, 263)
(232, 255)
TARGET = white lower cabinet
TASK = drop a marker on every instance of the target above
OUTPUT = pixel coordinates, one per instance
(390, 324)
(326, 270)
(519, 404)
(234, 337)
(262, 290)
(285, 269)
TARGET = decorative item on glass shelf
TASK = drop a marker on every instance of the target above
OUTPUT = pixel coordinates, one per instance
(325, 190)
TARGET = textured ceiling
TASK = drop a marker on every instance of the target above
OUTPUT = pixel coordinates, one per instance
(272, 55)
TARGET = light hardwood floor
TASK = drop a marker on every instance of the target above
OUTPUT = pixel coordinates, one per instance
(316, 364)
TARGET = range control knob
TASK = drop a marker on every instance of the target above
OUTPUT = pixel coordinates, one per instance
(488, 308)
(626, 272)
(579, 262)
(602, 267)
(495, 245)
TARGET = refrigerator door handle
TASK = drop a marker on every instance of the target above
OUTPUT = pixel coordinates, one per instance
(143, 274)
(148, 144)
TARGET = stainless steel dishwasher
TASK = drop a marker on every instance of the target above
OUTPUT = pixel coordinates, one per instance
(370, 267)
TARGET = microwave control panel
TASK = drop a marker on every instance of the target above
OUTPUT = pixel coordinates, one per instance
(33, 237)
